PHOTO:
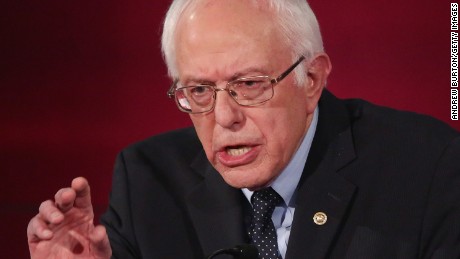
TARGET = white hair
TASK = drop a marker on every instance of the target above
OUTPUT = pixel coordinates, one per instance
(295, 19)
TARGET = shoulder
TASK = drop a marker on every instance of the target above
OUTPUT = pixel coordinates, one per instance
(172, 145)
(390, 126)
(406, 174)
(184, 137)
(161, 163)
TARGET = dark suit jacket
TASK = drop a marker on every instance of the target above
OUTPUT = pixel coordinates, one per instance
(388, 181)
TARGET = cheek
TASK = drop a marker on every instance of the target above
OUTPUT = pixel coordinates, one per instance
(297, 112)
(275, 128)
(288, 124)
(204, 129)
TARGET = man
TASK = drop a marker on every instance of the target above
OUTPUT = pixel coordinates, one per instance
(350, 179)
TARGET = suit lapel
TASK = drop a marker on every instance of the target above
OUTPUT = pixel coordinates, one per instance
(322, 189)
(326, 192)
(216, 209)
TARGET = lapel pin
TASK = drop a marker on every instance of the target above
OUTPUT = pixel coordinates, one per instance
(320, 218)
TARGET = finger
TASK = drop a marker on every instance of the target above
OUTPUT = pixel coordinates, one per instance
(83, 194)
(38, 230)
(100, 244)
(49, 213)
(65, 199)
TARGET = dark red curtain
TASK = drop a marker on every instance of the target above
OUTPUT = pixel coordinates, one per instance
(80, 80)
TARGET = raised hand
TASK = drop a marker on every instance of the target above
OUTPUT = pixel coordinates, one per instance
(64, 228)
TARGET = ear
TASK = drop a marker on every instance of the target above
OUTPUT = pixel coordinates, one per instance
(318, 70)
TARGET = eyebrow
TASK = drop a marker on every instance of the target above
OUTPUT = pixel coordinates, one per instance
(249, 70)
(236, 75)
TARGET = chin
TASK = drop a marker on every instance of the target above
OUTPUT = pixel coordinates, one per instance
(244, 179)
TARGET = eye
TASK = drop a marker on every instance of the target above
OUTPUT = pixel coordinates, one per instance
(250, 89)
(200, 90)
(250, 83)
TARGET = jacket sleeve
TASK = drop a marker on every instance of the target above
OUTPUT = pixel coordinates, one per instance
(118, 219)
(441, 228)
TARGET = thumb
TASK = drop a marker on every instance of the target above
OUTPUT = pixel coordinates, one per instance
(99, 243)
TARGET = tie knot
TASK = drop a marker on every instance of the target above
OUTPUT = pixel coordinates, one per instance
(264, 201)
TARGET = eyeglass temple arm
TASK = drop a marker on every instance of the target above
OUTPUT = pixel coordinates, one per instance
(171, 89)
(289, 70)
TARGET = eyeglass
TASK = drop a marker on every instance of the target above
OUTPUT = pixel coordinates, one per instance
(246, 91)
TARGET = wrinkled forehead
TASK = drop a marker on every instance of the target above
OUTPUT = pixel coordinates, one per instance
(227, 31)
(226, 14)
(224, 20)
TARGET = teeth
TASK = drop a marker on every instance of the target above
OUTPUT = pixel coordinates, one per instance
(238, 151)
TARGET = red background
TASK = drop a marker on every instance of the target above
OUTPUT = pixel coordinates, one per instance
(79, 80)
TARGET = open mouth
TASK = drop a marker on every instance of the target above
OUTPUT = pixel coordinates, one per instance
(238, 155)
(237, 150)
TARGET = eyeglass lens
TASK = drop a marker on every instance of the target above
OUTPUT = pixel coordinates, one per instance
(245, 91)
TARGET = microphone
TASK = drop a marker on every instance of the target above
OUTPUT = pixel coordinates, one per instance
(243, 251)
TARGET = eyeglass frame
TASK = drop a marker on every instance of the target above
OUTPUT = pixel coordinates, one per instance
(273, 82)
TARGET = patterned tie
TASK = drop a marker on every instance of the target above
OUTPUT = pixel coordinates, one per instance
(262, 230)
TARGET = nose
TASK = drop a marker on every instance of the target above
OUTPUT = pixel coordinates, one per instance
(227, 113)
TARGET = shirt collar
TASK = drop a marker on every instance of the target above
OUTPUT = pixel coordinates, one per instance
(286, 183)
